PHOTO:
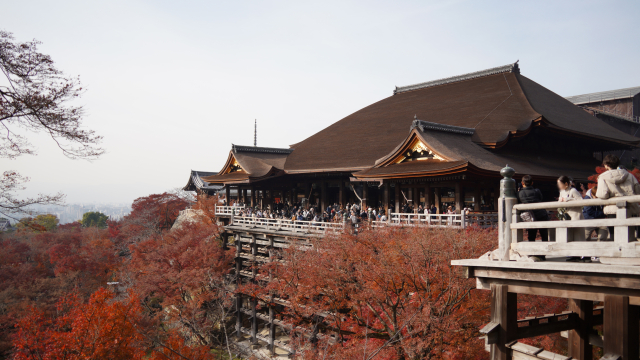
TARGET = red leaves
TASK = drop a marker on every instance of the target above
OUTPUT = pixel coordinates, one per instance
(395, 285)
(100, 329)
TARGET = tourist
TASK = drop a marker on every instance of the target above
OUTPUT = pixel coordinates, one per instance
(531, 195)
(616, 182)
(569, 193)
(594, 212)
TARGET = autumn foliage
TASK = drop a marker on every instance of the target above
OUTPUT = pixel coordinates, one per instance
(141, 290)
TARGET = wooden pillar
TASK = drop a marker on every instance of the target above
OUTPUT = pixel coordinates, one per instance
(227, 194)
(476, 199)
(397, 208)
(416, 197)
(253, 196)
(341, 194)
(504, 311)
(293, 195)
(459, 198)
(579, 347)
(323, 196)
(238, 283)
(365, 193)
(436, 199)
(254, 300)
(385, 198)
(307, 193)
(272, 327)
(427, 196)
(238, 193)
(620, 327)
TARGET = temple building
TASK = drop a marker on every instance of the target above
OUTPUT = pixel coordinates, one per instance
(200, 186)
(440, 142)
(619, 108)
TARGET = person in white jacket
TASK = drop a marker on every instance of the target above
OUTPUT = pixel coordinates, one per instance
(568, 194)
(616, 182)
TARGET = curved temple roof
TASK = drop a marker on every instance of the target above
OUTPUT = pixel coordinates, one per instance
(479, 110)
(496, 103)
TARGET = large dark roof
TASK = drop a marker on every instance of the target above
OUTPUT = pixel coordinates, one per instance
(495, 103)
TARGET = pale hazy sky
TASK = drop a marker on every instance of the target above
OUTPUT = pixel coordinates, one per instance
(171, 84)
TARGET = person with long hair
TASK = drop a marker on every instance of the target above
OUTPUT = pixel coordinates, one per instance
(569, 193)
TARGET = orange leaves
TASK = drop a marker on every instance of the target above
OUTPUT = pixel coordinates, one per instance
(395, 285)
(100, 329)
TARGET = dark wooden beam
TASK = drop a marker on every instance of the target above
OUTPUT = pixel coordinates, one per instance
(545, 325)
(579, 346)
(504, 311)
(620, 327)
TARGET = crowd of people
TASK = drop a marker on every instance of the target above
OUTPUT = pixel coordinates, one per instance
(614, 182)
(299, 212)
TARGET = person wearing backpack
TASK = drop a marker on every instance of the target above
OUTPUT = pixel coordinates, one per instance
(594, 212)
(616, 182)
(530, 195)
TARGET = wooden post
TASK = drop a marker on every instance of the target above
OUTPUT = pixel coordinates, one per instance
(504, 311)
(294, 195)
(505, 206)
(272, 327)
(341, 194)
(244, 196)
(476, 199)
(459, 200)
(365, 193)
(397, 208)
(620, 327)
(579, 347)
(385, 198)
(436, 199)
(253, 196)
(227, 194)
(323, 196)
(238, 284)
(427, 196)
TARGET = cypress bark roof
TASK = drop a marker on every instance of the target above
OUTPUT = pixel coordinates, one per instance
(496, 103)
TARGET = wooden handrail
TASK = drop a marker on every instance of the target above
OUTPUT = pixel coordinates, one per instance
(576, 203)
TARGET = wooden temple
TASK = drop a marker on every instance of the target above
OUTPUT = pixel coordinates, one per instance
(445, 142)
(441, 142)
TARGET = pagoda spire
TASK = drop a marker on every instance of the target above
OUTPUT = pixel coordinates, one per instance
(255, 132)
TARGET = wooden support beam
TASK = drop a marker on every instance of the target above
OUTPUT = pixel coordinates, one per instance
(579, 346)
(504, 311)
(385, 198)
(365, 194)
(254, 320)
(620, 328)
(545, 325)
(323, 196)
(427, 196)
(238, 283)
(342, 194)
(476, 199)
(459, 198)
(398, 195)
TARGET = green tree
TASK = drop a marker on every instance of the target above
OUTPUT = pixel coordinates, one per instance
(94, 219)
(43, 222)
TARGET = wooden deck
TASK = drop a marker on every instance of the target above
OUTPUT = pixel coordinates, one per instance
(604, 292)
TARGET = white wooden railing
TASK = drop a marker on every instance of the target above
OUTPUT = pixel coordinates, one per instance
(484, 220)
(228, 210)
(285, 224)
(563, 234)
(435, 220)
